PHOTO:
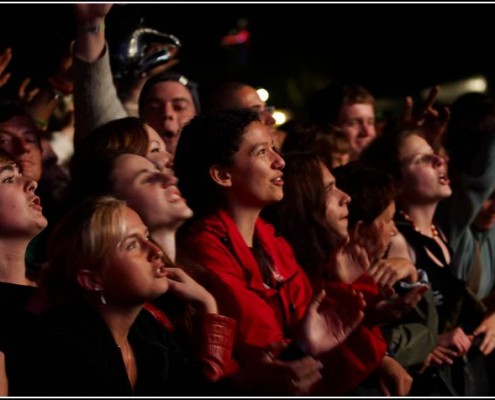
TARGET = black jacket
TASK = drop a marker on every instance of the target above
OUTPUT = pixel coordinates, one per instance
(76, 355)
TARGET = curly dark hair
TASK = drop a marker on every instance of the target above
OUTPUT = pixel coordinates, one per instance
(207, 140)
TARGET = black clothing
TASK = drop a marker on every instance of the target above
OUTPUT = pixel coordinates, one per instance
(455, 305)
(77, 356)
(17, 327)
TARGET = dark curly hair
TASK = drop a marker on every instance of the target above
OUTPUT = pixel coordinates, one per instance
(207, 140)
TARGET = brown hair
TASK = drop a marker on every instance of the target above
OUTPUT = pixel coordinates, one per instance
(372, 191)
(383, 152)
(300, 216)
(95, 155)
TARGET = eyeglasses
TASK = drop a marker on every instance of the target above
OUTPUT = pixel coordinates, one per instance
(260, 110)
(269, 109)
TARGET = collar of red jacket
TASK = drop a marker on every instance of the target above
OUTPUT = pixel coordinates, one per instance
(276, 249)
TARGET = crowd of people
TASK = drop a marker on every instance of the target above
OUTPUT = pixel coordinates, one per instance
(165, 241)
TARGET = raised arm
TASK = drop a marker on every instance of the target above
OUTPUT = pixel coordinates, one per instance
(95, 96)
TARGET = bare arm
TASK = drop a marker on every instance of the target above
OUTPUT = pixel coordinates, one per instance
(4, 385)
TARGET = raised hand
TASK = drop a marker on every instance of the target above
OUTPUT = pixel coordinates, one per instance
(185, 287)
(89, 12)
(432, 122)
(26, 96)
(5, 59)
(89, 43)
(327, 325)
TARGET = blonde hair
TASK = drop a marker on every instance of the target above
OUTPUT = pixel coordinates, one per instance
(83, 239)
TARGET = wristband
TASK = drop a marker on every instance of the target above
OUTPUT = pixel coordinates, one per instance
(91, 28)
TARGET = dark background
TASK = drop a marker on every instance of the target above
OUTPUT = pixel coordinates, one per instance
(392, 49)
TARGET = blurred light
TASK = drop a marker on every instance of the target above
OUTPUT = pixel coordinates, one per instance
(263, 93)
(476, 84)
(240, 37)
(280, 117)
(452, 90)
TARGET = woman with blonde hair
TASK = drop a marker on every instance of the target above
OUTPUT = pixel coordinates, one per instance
(97, 338)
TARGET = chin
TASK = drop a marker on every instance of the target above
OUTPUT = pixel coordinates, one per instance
(40, 226)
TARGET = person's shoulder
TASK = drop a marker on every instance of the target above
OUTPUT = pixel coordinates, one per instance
(399, 247)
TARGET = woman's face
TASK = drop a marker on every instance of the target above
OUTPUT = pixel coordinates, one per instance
(134, 271)
(20, 208)
(153, 194)
(379, 233)
(337, 212)
(255, 178)
(424, 174)
(157, 151)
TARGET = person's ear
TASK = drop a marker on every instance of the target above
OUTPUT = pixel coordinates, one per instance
(358, 233)
(220, 176)
(89, 280)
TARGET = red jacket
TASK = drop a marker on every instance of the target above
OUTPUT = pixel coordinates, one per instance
(264, 315)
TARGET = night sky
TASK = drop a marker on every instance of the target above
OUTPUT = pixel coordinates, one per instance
(393, 49)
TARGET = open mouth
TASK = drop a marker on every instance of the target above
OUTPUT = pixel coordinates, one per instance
(35, 203)
(278, 181)
(443, 179)
(161, 271)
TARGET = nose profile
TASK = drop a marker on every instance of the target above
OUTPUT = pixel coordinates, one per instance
(167, 179)
(155, 252)
(345, 199)
(278, 162)
(30, 185)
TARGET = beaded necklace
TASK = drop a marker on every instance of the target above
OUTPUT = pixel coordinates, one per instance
(434, 230)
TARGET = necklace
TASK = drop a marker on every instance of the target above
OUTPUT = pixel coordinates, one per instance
(434, 230)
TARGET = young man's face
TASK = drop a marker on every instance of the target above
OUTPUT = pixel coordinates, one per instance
(358, 122)
(19, 137)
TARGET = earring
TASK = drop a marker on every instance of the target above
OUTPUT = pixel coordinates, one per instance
(102, 298)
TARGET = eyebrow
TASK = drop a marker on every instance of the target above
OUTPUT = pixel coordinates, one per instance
(27, 131)
(142, 171)
(139, 173)
(256, 146)
(177, 99)
(8, 167)
(330, 184)
(135, 235)
(173, 99)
